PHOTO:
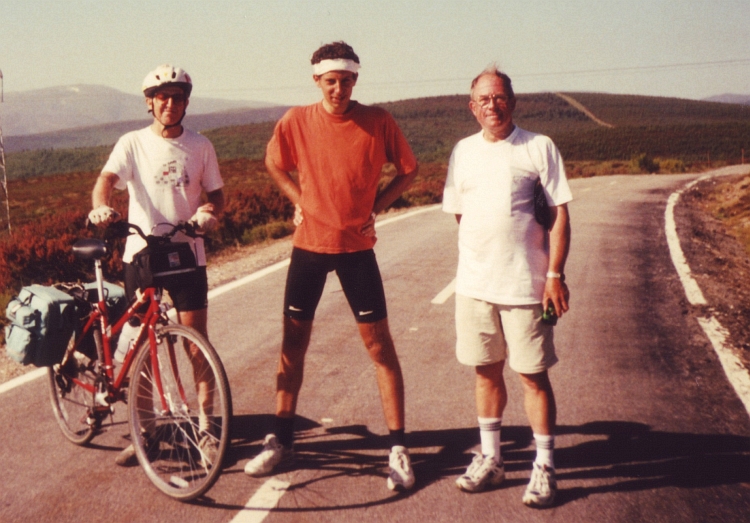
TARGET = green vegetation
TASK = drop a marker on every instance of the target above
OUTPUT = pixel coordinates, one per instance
(41, 162)
(685, 131)
(50, 189)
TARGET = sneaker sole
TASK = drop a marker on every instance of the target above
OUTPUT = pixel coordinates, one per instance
(536, 503)
(285, 464)
(482, 487)
(398, 487)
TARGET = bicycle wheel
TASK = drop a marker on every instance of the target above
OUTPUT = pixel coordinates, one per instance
(72, 401)
(180, 441)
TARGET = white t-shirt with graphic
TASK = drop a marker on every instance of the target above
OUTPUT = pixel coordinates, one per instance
(503, 251)
(164, 178)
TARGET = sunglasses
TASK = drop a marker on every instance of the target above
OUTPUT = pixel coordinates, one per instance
(179, 98)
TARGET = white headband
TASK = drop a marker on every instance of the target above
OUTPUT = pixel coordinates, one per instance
(338, 64)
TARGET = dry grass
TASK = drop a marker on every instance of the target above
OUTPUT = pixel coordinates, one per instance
(729, 202)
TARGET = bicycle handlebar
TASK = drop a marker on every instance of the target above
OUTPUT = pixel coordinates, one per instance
(122, 229)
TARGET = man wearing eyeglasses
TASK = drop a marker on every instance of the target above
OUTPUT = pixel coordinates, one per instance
(166, 170)
(510, 269)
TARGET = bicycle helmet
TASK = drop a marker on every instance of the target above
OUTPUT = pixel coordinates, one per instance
(166, 75)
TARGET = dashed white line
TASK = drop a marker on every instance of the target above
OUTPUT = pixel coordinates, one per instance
(263, 501)
(446, 293)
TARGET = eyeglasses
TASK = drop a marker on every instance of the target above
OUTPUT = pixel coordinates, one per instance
(500, 99)
(178, 98)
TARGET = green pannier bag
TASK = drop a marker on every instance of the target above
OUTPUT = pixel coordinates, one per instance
(42, 321)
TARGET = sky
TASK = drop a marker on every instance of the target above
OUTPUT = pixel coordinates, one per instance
(260, 50)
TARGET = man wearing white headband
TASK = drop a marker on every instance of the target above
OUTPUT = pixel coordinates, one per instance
(338, 147)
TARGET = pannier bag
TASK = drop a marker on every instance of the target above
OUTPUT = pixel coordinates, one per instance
(42, 321)
(161, 261)
(86, 296)
(114, 295)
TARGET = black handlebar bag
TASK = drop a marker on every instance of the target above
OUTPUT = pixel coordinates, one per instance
(159, 263)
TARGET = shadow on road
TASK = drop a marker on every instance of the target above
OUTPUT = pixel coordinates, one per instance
(615, 456)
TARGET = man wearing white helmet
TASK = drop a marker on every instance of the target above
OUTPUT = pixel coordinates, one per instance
(338, 147)
(166, 170)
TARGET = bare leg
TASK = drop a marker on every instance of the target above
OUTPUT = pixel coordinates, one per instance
(204, 379)
(379, 344)
(296, 339)
(539, 401)
(491, 395)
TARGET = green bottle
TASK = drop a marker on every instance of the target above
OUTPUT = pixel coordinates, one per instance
(549, 317)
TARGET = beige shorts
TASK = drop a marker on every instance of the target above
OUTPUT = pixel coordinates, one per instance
(487, 333)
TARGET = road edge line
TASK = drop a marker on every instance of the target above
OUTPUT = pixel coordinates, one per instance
(737, 374)
(218, 291)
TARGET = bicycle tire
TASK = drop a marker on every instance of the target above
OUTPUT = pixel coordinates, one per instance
(73, 404)
(170, 444)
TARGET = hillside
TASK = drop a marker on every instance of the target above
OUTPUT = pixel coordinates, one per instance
(686, 131)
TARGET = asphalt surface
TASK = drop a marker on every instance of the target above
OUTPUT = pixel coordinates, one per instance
(649, 427)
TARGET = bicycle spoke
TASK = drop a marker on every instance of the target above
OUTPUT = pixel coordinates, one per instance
(71, 389)
(180, 448)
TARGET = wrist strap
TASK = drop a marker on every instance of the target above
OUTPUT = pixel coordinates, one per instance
(559, 276)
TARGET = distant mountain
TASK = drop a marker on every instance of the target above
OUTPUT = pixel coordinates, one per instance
(728, 98)
(107, 134)
(68, 107)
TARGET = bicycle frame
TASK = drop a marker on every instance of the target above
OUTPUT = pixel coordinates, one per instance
(100, 317)
(175, 386)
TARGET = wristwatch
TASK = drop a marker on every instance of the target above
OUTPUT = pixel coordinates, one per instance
(557, 275)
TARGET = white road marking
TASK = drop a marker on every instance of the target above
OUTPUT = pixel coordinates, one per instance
(446, 293)
(737, 374)
(38, 373)
(263, 501)
(218, 291)
(29, 376)
(693, 292)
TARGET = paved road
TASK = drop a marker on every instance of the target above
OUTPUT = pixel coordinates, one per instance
(650, 429)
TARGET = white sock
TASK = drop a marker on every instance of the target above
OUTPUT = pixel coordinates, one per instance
(489, 435)
(545, 446)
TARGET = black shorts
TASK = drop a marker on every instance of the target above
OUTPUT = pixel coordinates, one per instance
(359, 276)
(189, 291)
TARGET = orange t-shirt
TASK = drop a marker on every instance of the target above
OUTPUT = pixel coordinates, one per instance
(339, 159)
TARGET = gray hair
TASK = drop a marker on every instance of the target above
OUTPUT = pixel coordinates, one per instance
(491, 70)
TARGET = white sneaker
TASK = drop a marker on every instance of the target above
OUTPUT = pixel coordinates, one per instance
(272, 454)
(542, 487)
(483, 471)
(401, 476)
(209, 449)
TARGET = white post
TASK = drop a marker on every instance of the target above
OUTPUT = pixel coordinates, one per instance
(4, 181)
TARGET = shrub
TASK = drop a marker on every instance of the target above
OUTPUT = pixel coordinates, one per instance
(643, 163)
(672, 165)
(269, 231)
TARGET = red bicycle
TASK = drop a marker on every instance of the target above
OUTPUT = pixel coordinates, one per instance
(178, 397)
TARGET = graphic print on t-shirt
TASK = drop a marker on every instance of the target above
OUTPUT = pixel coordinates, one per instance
(172, 174)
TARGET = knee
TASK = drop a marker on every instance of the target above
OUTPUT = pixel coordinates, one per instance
(536, 383)
(382, 352)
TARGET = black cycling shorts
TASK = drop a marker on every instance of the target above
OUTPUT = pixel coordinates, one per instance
(189, 291)
(359, 276)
